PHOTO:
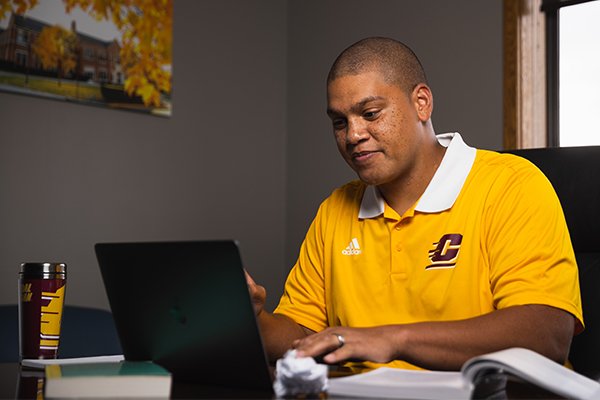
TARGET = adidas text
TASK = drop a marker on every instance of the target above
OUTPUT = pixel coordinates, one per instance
(353, 248)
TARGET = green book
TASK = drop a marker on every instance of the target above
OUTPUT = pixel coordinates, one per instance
(140, 379)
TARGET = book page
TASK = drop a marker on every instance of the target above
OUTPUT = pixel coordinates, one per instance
(536, 369)
(41, 364)
(402, 384)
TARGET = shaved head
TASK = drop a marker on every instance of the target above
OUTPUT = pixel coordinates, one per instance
(394, 60)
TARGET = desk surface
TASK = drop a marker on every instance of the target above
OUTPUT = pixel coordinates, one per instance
(9, 375)
(15, 383)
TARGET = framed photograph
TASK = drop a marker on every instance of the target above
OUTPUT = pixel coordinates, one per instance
(114, 54)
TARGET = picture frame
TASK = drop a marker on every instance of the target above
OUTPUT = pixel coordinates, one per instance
(115, 55)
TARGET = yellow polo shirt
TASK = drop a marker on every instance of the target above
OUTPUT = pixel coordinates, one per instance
(487, 233)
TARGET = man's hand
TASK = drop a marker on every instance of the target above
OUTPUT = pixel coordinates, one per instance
(341, 343)
(258, 294)
(278, 331)
(446, 345)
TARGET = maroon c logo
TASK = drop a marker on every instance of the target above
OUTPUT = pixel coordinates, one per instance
(446, 251)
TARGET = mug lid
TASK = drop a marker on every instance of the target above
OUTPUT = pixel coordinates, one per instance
(43, 268)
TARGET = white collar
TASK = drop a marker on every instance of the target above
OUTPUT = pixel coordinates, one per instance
(444, 187)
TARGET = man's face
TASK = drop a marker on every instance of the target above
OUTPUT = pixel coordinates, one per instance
(376, 127)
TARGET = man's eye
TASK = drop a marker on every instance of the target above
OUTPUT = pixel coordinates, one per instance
(370, 114)
(339, 123)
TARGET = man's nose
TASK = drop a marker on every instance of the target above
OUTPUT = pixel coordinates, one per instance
(356, 132)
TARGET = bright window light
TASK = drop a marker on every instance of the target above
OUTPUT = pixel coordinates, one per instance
(579, 74)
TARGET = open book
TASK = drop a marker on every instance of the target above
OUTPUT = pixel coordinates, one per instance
(522, 363)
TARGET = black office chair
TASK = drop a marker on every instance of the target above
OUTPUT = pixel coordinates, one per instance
(575, 174)
(84, 332)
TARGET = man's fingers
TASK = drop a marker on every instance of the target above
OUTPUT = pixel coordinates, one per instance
(337, 344)
(258, 294)
(318, 344)
(255, 290)
(249, 279)
(341, 354)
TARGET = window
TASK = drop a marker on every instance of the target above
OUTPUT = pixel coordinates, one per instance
(21, 58)
(88, 73)
(21, 37)
(578, 77)
(88, 53)
(537, 95)
(572, 37)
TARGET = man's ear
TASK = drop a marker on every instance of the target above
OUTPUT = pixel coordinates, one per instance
(423, 101)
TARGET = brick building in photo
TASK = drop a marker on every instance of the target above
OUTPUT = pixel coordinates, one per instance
(97, 60)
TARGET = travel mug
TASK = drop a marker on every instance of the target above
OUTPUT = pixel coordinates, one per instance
(41, 300)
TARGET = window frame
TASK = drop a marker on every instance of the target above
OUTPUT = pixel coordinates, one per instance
(531, 86)
(524, 103)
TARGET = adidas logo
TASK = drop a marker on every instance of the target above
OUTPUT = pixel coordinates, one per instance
(353, 248)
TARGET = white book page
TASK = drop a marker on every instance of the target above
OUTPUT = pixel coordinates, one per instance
(402, 384)
(39, 363)
(537, 369)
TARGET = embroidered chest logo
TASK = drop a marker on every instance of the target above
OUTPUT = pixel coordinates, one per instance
(353, 249)
(445, 252)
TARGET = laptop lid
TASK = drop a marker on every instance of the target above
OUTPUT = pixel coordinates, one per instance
(185, 306)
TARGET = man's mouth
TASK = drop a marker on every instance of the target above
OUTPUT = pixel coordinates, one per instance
(363, 156)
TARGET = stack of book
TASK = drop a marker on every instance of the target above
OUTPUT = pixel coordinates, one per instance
(104, 377)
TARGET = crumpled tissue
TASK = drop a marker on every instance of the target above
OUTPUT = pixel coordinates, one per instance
(299, 376)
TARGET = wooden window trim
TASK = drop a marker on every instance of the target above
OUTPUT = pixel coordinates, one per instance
(524, 70)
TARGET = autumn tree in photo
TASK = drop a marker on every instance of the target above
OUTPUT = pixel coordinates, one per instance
(146, 42)
(15, 6)
(56, 47)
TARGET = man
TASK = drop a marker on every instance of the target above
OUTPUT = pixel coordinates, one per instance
(441, 252)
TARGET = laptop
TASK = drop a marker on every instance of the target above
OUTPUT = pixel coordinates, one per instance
(186, 306)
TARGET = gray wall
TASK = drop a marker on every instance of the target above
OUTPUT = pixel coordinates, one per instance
(73, 175)
(248, 152)
(459, 43)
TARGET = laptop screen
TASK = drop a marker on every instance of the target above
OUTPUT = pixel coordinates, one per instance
(185, 306)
